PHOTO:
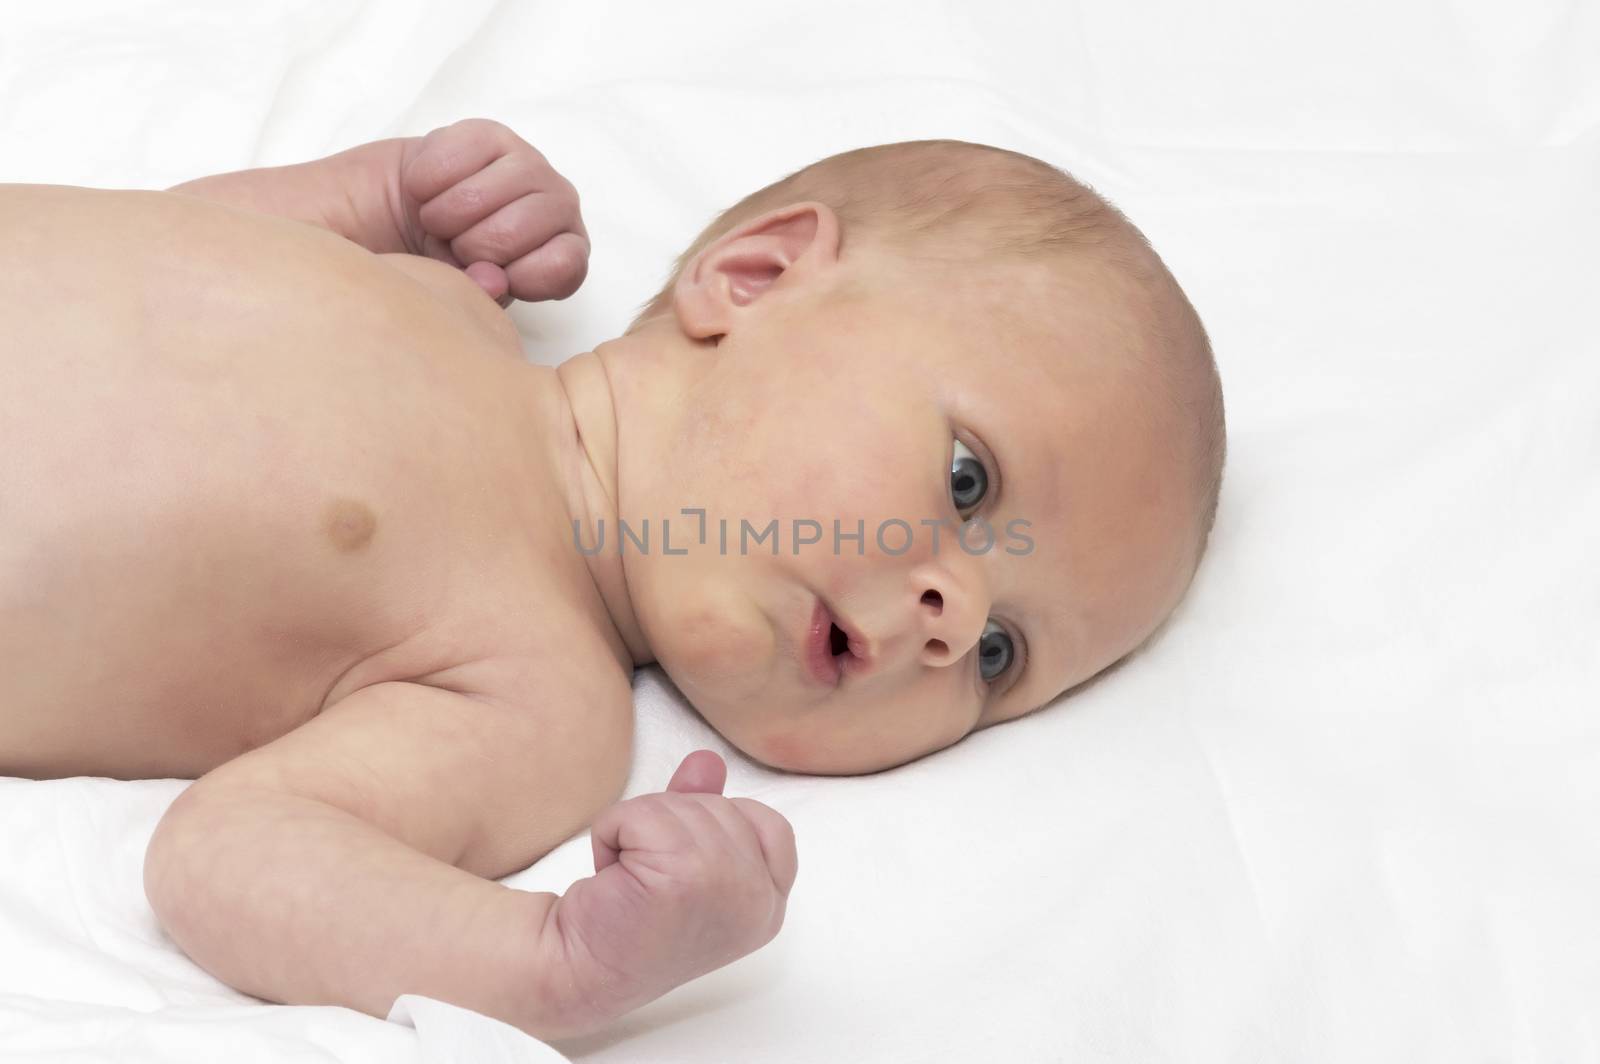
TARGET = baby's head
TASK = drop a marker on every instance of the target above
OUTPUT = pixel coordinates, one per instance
(974, 369)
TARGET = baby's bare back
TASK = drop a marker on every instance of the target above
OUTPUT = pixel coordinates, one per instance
(246, 467)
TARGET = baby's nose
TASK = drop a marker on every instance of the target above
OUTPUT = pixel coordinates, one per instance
(950, 615)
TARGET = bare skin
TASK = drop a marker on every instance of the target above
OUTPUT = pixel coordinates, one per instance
(802, 377)
(295, 518)
(220, 527)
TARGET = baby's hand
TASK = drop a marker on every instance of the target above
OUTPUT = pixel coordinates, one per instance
(479, 197)
(685, 882)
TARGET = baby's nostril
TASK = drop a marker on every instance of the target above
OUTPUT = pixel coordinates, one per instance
(934, 599)
(937, 646)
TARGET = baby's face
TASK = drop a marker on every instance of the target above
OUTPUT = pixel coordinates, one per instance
(1001, 403)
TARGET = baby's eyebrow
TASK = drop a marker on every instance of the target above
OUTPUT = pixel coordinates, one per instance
(1016, 492)
(1024, 660)
(1050, 628)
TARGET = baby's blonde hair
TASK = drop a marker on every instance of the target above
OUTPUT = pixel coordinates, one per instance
(952, 198)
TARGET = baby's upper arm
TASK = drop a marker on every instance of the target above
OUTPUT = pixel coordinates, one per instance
(459, 291)
(481, 785)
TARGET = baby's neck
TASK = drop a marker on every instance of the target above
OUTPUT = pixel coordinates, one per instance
(592, 494)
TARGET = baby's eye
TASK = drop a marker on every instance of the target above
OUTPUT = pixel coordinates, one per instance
(994, 652)
(969, 481)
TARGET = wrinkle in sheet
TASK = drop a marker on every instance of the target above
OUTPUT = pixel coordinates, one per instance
(1225, 799)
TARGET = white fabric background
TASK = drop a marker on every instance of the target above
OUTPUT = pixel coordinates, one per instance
(1344, 809)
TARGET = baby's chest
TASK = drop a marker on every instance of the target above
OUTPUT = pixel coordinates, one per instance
(200, 633)
(523, 625)
(201, 552)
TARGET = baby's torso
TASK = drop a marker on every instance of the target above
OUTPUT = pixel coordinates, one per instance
(247, 469)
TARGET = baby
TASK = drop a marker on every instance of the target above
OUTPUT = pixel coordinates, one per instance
(912, 441)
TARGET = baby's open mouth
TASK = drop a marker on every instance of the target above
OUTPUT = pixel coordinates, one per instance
(826, 651)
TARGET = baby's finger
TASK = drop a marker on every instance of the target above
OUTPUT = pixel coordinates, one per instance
(736, 827)
(476, 196)
(710, 834)
(700, 772)
(636, 824)
(554, 271)
(492, 279)
(777, 841)
(514, 230)
(451, 153)
(434, 248)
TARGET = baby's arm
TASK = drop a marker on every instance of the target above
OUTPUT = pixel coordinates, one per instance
(472, 194)
(355, 193)
(340, 864)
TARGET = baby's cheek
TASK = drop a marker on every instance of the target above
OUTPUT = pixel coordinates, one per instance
(852, 469)
(809, 492)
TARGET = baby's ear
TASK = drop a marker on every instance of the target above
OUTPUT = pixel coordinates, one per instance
(800, 240)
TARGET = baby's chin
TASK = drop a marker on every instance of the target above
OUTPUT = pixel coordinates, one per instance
(811, 754)
(741, 698)
(775, 741)
(796, 738)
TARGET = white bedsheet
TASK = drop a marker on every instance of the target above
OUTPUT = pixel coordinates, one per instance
(1344, 809)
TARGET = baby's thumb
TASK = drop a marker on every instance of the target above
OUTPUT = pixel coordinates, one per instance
(702, 772)
(492, 279)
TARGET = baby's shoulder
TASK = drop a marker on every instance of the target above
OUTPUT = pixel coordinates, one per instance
(568, 705)
(517, 644)
(561, 666)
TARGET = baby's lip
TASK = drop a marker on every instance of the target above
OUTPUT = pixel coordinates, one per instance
(816, 650)
(817, 659)
(859, 658)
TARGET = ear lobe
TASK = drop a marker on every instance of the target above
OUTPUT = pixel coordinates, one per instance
(742, 264)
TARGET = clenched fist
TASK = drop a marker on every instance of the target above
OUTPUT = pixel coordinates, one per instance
(479, 197)
(685, 882)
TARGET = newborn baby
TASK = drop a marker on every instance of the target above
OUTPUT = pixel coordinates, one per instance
(911, 442)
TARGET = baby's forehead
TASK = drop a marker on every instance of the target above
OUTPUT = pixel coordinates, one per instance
(1032, 342)
(1032, 316)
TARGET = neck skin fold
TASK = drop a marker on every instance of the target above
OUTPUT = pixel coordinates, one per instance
(591, 489)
